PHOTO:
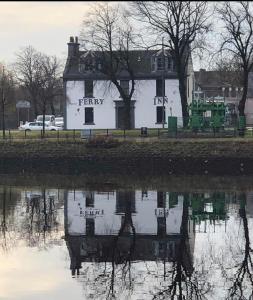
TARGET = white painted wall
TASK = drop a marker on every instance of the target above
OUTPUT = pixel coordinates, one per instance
(145, 109)
(105, 115)
(108, 222)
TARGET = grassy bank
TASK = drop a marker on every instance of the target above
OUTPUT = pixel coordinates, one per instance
(171, 156)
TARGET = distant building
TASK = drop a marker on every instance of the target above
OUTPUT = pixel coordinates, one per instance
(92, 101)
(224, 86)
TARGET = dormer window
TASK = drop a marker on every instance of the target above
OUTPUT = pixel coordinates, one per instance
(160, 63)
(81, 67)
(169, 63)
(153, 63)
(88, 65)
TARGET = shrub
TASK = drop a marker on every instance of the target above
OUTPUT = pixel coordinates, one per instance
(102, 142)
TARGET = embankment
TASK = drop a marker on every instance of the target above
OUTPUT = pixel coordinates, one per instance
(182, 156)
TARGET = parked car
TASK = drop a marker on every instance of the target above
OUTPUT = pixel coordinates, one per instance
(59, 122)
(49, 119)
(37, 126)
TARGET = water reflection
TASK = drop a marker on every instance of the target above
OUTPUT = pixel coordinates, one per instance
(132, 244)
(122, 227)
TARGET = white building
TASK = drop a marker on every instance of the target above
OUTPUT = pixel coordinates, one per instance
(93, 102)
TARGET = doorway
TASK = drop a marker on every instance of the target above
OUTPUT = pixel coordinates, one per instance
(119, 110)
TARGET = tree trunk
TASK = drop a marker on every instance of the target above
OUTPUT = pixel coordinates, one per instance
(35, 104)
(127, 113)
(181, 63)
(183, 96)
(241, 106)
(52, 106)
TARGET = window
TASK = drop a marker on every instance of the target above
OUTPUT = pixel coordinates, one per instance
(88, 65)
(153, 68)
(89, 115)
(161, 199)
(81, 67)
(90, 227)
(160, 114)
(159, 63)
(169, 64)
(88, 88)
(99, 65)
(125, 86)
(89, 200)
(160, 88)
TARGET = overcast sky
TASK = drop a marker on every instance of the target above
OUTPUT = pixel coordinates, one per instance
(46, 26)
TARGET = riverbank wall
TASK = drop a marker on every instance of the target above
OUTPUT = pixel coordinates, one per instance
(188, 156)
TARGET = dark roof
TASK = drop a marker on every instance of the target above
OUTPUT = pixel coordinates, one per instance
(212, 82)
(216, 79)
(140, 61)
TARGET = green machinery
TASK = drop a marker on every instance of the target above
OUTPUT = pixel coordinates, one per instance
(205, 115)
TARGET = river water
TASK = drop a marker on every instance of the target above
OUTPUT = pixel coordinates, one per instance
(110, 242)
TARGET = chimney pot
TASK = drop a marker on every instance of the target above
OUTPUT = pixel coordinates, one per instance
(76, 40)
(71, 40)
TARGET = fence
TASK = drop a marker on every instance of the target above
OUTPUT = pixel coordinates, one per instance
(174, 128)
(134, 134)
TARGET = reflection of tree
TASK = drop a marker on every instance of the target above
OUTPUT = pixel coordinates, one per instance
(41, 217)
(8, 201)
(119, 257)
(184, 283)
(3, 223)
(111, 254)
(245, 269)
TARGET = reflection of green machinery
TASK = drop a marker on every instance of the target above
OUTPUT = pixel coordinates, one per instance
(212, 207)
(198, 118)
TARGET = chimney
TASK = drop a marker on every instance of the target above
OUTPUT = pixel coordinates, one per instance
(73, 46)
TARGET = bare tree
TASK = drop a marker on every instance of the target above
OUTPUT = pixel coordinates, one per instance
(184, 25)
(229, 70)
(238, 38)
(40, 75)
(27, 68)
(6, 93)
(49, 84)
(106, 30)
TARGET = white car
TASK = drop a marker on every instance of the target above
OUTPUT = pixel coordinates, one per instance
(38, 126)
(59, 122)
(49, 119)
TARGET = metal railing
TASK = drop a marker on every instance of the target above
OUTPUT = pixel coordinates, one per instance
(229, 128)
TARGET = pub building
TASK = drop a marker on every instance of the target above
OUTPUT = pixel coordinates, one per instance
(93, 220)
(93, 102)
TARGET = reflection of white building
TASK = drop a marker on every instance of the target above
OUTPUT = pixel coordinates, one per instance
(106, 212)
(150, 222)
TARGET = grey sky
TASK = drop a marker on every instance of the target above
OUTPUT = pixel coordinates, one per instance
(44, 25)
